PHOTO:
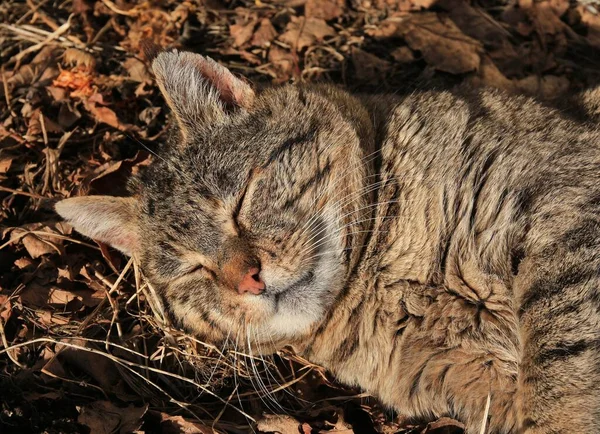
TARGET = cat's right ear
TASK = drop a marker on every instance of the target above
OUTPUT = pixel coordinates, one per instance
(199, 91)
(111, 220)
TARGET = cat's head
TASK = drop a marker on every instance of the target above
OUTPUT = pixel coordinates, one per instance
(248, 222)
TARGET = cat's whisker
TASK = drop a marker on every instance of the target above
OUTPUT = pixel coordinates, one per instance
(349, 248)
(259, 386)
(338, 204)
(348, 172)
(316, 244)
(268, 375)
(309, 240)
(212, 374)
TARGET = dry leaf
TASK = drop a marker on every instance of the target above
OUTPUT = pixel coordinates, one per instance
(403, 55)
(111, 178)
(368, 67)
(38, 244)
(5, 308)
(443, 45)
(304, 32)
(444, 425)
(79, 81)
(5, 164)
(280, 424)
(103, 417)
(78, 58)
(137, 70)
(179, 425)
(283, 62)
(324, 9)
(264, 34)
(242, 33)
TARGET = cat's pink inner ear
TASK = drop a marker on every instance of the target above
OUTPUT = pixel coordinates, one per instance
(111, 220)
(232, 90)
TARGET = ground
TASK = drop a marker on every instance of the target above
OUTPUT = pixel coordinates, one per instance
(84, 346)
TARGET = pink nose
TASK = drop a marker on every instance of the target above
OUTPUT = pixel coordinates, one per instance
(251, 282)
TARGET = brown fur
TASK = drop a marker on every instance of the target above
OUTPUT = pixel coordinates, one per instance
(435, 249)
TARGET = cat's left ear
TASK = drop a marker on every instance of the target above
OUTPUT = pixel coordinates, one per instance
(199, 90)
(111, 220)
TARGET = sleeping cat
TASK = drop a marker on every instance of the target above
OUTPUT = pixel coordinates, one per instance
(438, 249)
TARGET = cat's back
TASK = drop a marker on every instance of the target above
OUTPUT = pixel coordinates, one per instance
(476, 170)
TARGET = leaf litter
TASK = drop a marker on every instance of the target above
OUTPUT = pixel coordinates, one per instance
(84, 344)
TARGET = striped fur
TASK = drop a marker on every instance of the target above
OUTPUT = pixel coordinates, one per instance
(435, 249)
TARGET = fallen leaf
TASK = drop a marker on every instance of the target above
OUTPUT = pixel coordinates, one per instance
(279, 424)
(78, 80)
(137, 70)
(111, 177)
(242, 33)
(265, 34)
(5, 164)
(304, 32)
(368, 67)
(444, 425)
(37, 244)
(283, 62)
(78, 58)
(5, 308)
(324, 9)
(179, 425)
(403, 55)
(101, 369)
(443, 45)
(103, 417)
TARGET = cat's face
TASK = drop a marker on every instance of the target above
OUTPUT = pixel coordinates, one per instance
(245, 222)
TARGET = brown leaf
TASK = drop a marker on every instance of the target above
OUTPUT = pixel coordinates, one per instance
(283, 62)
(368, 67)
(264, 34)
(179, 425)
(476, 23)
(441, 42)
(35, 128)
(242, 33)
(303, 32)
(5, 308)
(5, 164)
(137, 70)
(101, 369)
(103, 417)
(78, 58)
(111, 177)
(38, 244)
(403, 55)
(35, 295)
(78, 81)
(444, 425)
(279, 424)
(592, 22)
(324, 9)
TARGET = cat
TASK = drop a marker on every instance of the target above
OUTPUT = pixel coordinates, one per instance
(438, 249)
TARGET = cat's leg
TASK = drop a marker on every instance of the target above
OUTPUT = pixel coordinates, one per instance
(558, 300)
(459, 357)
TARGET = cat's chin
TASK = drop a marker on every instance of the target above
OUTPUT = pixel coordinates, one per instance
(292, 312)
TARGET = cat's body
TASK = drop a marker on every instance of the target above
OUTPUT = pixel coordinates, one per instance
(437, 249)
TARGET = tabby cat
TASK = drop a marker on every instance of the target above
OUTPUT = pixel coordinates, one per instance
(437, 249)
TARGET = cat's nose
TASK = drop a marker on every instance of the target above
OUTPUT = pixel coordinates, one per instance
(251, 282)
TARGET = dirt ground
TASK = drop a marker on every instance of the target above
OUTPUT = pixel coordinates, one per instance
(84, 346)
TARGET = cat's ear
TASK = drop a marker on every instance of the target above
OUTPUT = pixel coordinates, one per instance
(111, 220)
(198, 89)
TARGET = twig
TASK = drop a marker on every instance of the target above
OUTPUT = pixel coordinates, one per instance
(62, 29)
